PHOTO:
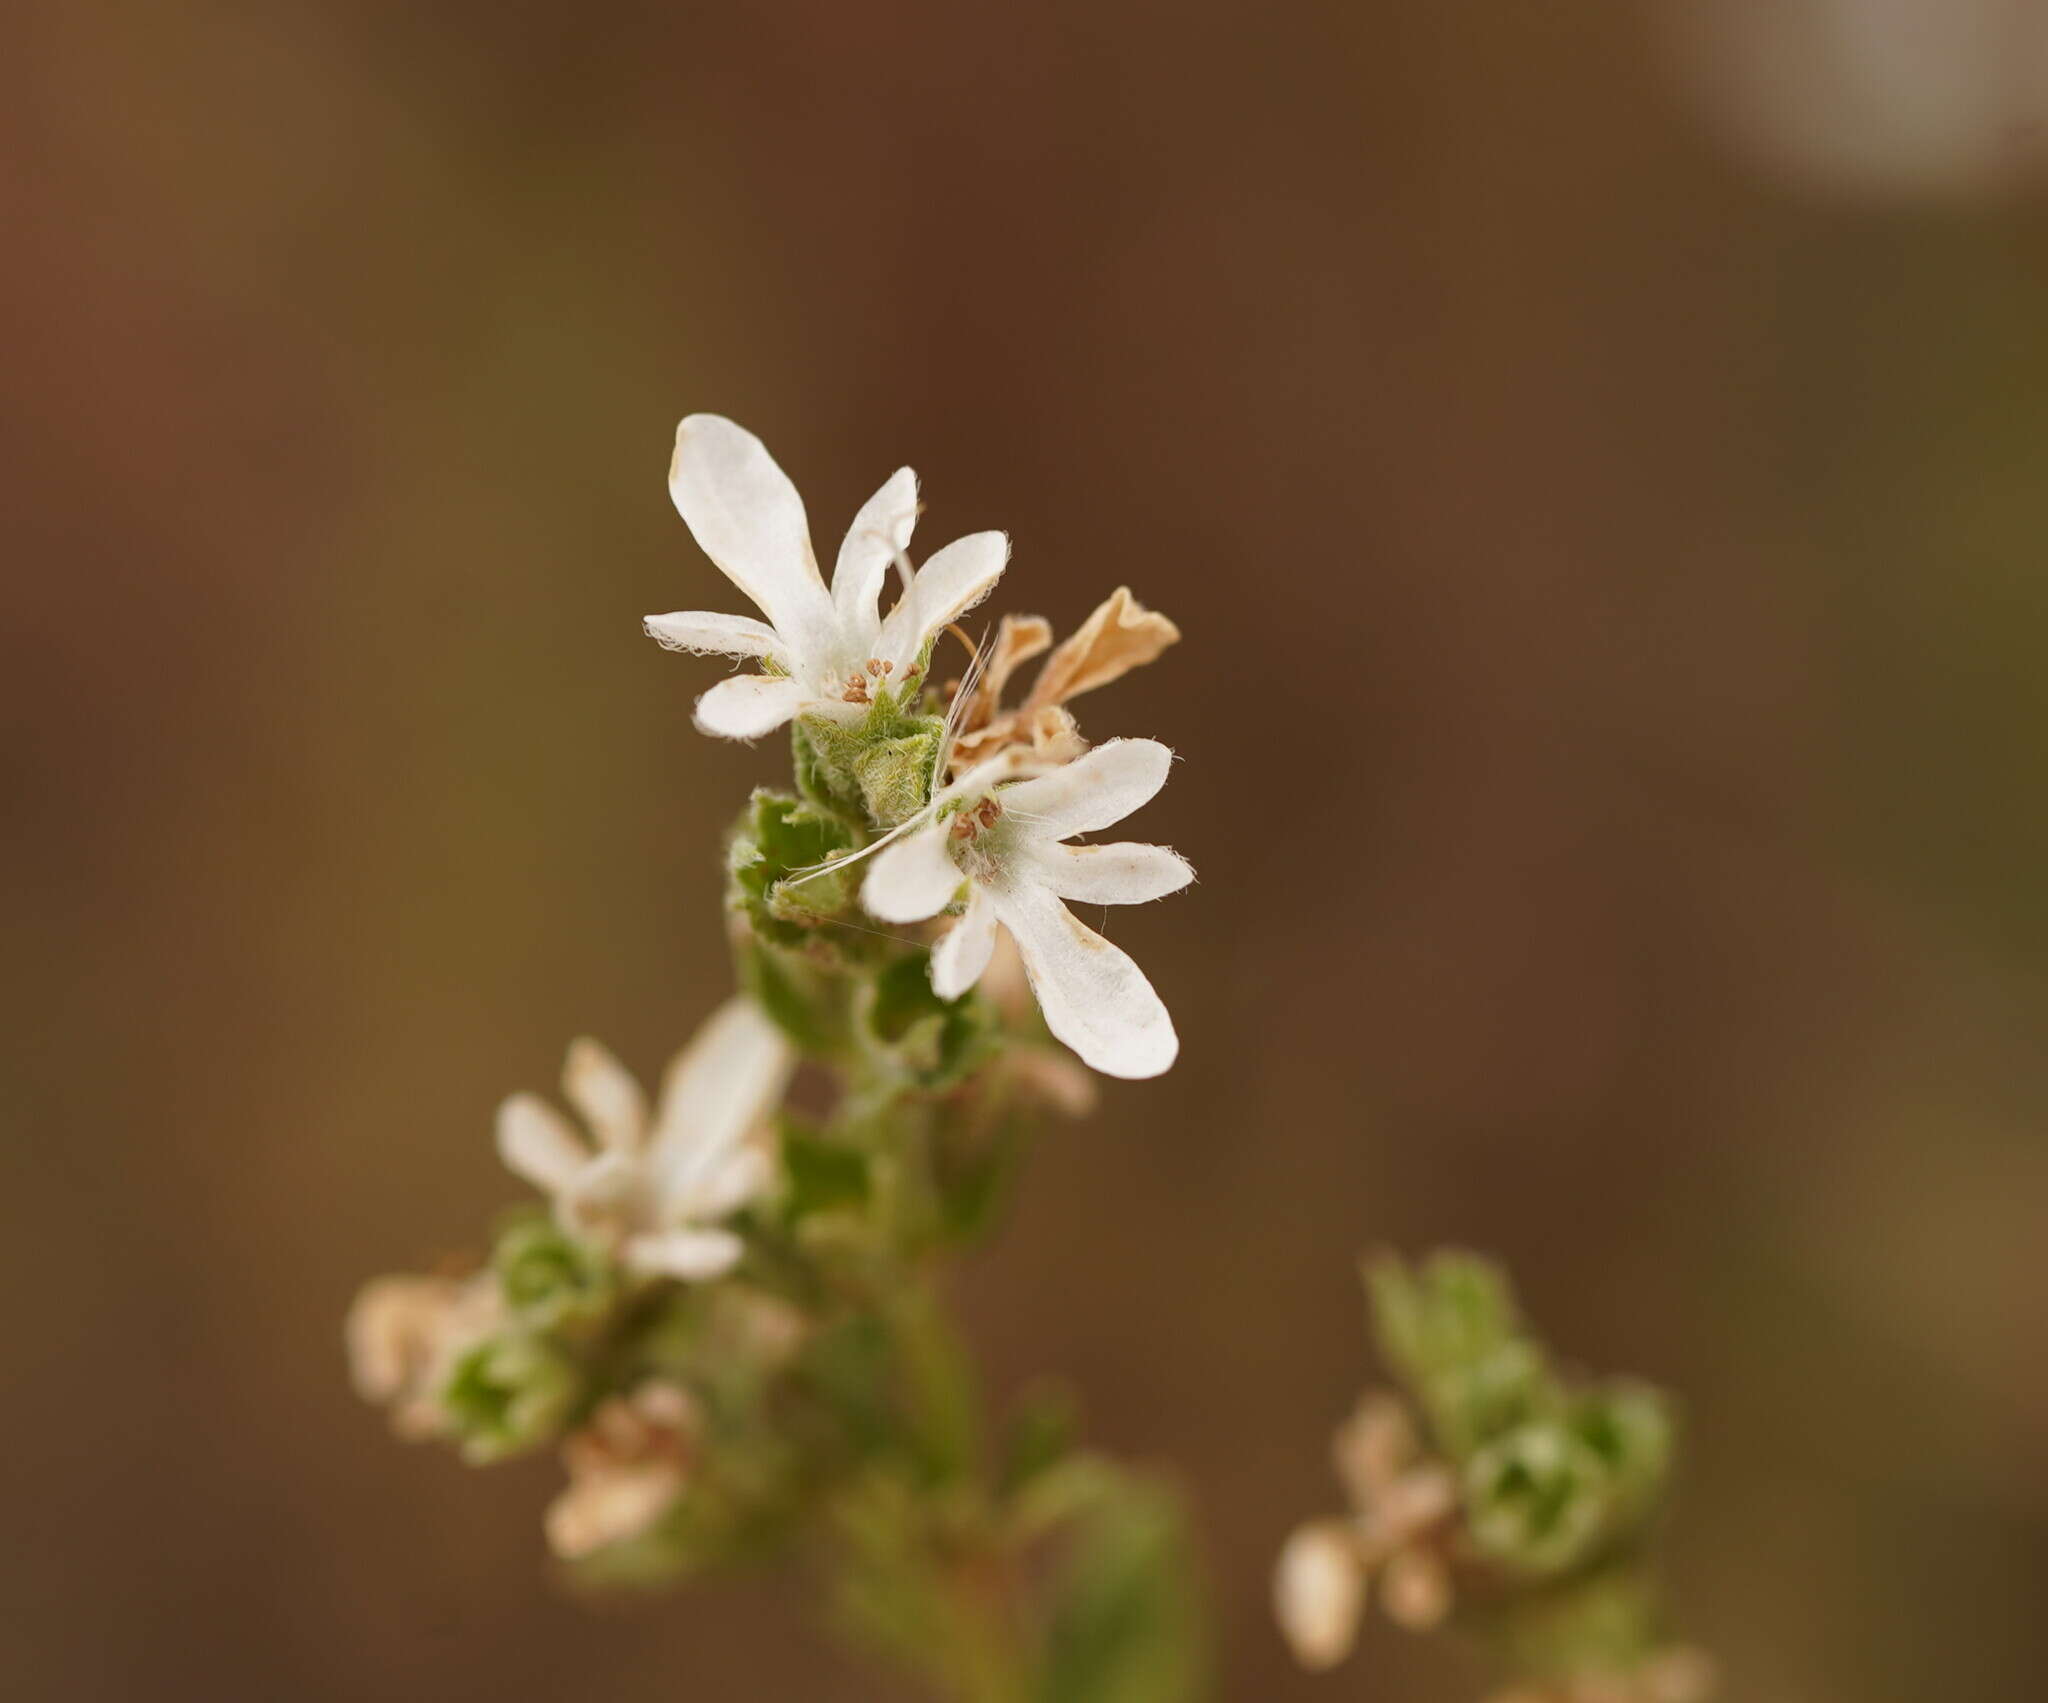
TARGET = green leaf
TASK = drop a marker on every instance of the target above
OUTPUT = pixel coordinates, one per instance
(801, 1001)
(773, 866)
(933, 1043)
(1450, 1330)
(1126, 1621)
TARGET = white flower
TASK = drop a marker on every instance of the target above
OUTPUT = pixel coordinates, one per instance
(654, 1189)
(827, 651)
(1004, 843)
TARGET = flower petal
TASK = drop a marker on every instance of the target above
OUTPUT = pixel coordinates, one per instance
(605, 1093)
(1121, 635)
(1123, 874)
(749, 705)
(959, 959)
(536, 1142)
(1097, 788)
(705, 634)
(747, 517)
(950, 583)
(879, 532)
(718, 1090)
(688, 1254)
(913, 879)
(718, 1184)
(1093, 997)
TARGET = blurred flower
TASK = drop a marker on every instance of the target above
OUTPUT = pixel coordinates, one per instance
(1122, 634)
(827, 653)
(654, 1189)
(1402, 1507)
(626, 1467)
(404, 1336)
(1875, 97)
(1005, 844)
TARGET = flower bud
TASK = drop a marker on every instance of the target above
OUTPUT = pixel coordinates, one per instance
(549, 1277)
(1319, 1593)
(1537, 1499)
(508, 1394)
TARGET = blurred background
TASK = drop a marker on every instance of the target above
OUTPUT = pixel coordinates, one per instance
(1598, 455)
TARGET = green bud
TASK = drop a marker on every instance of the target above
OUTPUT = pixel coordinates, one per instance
(509, 1394)
(550, 1278)
(895, 775)
(1538, 1500)
(1631, 1426)
(879, 769)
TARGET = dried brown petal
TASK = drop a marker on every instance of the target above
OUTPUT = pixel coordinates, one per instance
(626, 1466)
(1018, 639)
(1121, 635)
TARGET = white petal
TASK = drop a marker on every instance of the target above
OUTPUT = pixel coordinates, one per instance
(706, 634)
(746, 516)
(949, 584)
(1093, 997)
(959, 959)
(913, 879)
(1319, 1593)
(879, 532)
(536, 1142)
(1097, 788)
(719, 1089)
(719, 1184)
(749, 705)
(1124, 874)
(688, 1254)
(604, 1091)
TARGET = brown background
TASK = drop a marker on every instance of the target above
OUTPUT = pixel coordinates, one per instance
(1612, 710)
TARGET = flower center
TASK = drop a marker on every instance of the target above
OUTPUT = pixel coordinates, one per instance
(970, 824)
(864, 682)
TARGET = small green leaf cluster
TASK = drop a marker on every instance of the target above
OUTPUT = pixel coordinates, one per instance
(1557, 1472)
